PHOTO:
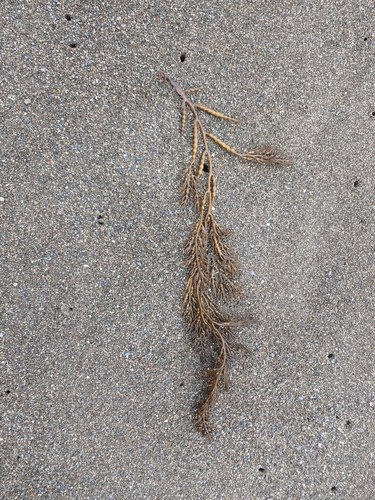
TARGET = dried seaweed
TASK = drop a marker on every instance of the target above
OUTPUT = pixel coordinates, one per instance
(212, 265)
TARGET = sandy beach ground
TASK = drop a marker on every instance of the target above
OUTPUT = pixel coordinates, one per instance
(99, 377)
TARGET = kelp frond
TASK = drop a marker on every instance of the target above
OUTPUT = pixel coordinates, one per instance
(212, 265)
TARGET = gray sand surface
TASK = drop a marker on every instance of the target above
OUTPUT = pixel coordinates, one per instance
(99, 376)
